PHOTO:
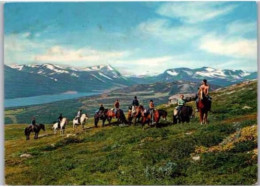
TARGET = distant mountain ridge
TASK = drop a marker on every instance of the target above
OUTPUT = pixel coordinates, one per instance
(215, 76)
(33, 80)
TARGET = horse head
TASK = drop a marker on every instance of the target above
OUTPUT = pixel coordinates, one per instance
(42, 126)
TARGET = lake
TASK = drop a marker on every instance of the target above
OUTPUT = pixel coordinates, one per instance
(42, 99)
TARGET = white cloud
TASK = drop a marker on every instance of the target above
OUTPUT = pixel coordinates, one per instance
(19, 49)
(161, 28)
(64, 54)
(241, 28)
(194, 12)
(228, 46)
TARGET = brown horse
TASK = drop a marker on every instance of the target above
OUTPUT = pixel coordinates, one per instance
(204, 107)
(147, 118)
(108, 115)
(136, 115)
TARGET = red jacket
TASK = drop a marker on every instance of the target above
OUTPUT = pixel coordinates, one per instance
(116, 104)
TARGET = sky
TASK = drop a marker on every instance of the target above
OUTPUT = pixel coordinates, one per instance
(137, 38)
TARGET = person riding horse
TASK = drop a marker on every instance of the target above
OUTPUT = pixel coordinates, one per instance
(205, 90)
(33, 123)
(151, 109)
(100, 110)
(79, 115)
(181, 103)
(116, 105)
(135, 104)
(59, 120)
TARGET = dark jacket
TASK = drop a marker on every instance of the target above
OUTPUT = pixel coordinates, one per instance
(34, 122)
(101, 108)
(135, 102)
(60, 118)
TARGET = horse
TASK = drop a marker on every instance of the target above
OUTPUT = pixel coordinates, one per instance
(83, 120)
(62, 126)
(108, 115)
(136, 115)
(204, 107)
(36, 129)
(100, 115)
(163, 114)
(183, 116)
(147, 118)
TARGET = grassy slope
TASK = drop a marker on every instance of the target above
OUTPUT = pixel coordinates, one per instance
(131, 155)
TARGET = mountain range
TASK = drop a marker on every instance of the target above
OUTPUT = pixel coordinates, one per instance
(33, 80)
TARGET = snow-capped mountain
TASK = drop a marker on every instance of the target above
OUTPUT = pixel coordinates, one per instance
(102, 73)
(214, 76)
(61, 79)
(32, 80)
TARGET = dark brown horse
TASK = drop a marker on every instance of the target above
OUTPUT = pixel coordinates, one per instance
(157, 114)
(108, 115)
(204, 107)
(183, 116)
(136, 115)
(36, 130)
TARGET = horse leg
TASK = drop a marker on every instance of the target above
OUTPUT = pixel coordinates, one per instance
(201, 117)
(96, 121)
(103, 124)
(28, 136)
(206, 118)
(174, 119)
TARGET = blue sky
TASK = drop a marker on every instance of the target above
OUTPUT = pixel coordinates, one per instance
(137, 38)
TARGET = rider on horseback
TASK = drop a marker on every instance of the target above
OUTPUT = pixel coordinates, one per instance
(116, 105)
(59, 120)
(151, 109)
(135, 104)
(101, 109)
(205, 90)
(33, 123)
(181, 103)
(79, 115)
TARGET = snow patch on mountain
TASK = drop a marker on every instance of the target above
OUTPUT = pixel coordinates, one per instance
(188, 72)
(212, 74)
(74, 75)
(210, 69)
(18, 67)
(173, 73)
(110, 68)
(97, 78)
(104, 76)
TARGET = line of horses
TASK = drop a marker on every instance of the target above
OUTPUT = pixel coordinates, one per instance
(138, 115)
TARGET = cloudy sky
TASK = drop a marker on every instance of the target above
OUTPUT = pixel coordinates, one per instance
(135, 37)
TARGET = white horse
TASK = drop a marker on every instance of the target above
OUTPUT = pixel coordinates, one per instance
(83, 120)
(63, 124)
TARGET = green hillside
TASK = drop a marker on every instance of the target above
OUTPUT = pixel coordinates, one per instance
(221, 153)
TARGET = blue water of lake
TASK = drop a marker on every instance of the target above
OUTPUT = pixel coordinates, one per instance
(26, 101)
